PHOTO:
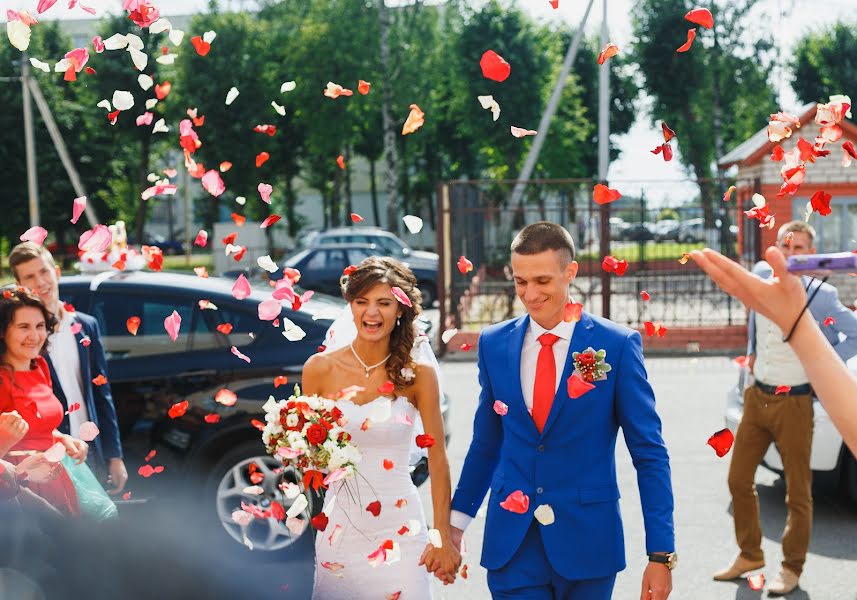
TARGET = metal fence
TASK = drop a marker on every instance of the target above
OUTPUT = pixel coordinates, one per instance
(651, 227)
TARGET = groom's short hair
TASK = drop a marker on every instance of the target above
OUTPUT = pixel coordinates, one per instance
(542, 236)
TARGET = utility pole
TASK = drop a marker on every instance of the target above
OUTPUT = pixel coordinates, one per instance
(30, 144)
(604, 161)
(550, 110)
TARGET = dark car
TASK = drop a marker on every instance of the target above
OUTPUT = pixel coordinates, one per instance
(321, 268)
(209, 452)
(167, 246)
(388, 243)
(637, 233)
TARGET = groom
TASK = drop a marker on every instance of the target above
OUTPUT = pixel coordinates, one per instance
(553, 528)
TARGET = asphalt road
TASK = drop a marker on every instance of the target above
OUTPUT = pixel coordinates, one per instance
(163, 554)
(691, 394)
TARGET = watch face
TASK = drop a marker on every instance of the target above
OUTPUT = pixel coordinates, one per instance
(673, 561)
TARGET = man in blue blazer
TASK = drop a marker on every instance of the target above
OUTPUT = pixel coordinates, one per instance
(555, 391)
(778, 408)
(77, 362)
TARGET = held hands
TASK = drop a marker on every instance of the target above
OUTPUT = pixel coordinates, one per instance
(443, 562)
(75, 448)
(657, 582)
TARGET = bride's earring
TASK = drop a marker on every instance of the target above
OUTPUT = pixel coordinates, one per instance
(398, 321)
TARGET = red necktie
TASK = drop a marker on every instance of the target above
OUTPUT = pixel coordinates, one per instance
(545, 388)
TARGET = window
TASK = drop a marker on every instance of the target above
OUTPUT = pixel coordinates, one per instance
(390, 245)
(317, 261)
(836, 231)
(356, 255)
(112, 310)
(244, 321)
(336, 260)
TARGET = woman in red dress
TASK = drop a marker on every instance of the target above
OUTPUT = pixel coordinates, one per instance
(25, 387)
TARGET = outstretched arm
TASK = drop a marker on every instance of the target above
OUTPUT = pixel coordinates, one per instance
(781, 299)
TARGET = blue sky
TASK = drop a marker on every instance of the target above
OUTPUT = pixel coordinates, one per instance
(785, 21)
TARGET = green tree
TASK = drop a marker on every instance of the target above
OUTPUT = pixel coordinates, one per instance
(725, 73)
(825, 63)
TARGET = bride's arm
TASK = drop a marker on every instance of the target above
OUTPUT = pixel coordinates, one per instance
(311, 376)
(428, 403)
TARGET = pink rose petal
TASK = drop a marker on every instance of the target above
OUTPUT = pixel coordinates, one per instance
(500, 408)
(172, 325)
(78, 205)
(35, 234)
(241, 288)
(97, 239)
(401, 296)
(55, 453)
(269, 310)
(88, 431)
(213, 184)
(201, 238)
(44, 5)
(335, 476)
(75, 328)
(238, 353)
(265, 190)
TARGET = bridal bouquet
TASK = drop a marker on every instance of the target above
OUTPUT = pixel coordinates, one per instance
(307, 432)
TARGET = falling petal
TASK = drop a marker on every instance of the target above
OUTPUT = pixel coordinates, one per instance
(35, 234)
(231, 96)
(414, 224)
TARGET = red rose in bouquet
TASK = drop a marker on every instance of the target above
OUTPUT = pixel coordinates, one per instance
(316, 434)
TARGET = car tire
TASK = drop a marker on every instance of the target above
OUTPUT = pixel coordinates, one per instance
(229, 474)
(429, 292)
(849, 476)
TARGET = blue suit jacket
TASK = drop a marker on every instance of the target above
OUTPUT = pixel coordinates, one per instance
(825, 304)
(571, 465)
(98, 399)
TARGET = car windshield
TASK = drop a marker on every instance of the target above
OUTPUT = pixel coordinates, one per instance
(296, 258)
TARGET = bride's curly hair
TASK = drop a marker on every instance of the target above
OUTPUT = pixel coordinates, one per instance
(383, 269)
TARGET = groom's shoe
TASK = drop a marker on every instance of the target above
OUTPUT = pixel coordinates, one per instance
(785, 582)
(738, 568)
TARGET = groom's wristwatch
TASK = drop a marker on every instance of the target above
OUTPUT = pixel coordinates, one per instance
(668, 559)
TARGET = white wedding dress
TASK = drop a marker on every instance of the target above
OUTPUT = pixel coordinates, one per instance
(343, 569)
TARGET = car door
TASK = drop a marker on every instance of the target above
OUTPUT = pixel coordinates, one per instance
(321, 270)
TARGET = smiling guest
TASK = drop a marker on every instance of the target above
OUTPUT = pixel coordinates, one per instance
(25, 387)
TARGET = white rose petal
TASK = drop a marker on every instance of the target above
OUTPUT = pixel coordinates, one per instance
(123, 100)
(298, 506)
(544, 514)
(231, 96)
(434, 538)
(267, 263)
(145, 81)
(166, 59)
(448, 335)
(489, 103)
(291, 490)
(161, 127)
(253, 490)
(292, 332)
(150, 103)
(62, 66)
(105, 104)
(135, 42)
(240, 200)
(288, 86)
(19, 34)
(140, 59)
(242, 518)
(281, 110)
(176, 37)
(160, 26)
(208, 37)
(117, 41)
(42, 66)
(414, 224)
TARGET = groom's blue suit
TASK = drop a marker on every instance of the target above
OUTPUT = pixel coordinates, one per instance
(571, 465)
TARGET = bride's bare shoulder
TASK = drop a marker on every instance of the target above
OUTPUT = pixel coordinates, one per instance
(323, 363)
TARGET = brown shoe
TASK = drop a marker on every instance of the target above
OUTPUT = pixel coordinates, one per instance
(785, 582)
(738, 568)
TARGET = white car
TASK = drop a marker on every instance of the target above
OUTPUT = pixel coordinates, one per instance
(830, 455)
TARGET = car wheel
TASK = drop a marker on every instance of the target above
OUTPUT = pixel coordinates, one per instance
(429, 292)
(849, 476)
(225, 491)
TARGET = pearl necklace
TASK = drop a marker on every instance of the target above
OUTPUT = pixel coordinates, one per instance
(366, 367)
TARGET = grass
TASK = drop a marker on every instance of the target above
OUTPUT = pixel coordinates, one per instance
(630, 251)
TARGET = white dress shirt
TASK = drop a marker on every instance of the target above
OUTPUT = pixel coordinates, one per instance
(63, 351)
(529, 359)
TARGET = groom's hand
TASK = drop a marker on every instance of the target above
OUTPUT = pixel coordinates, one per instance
(456, 535)
(657, 582)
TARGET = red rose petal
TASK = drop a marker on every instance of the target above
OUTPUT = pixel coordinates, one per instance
(374, 508)
(691, 35)
(829, 321)
(424, 440)
(178, 409)
(494, 66)
(722, 442)
(516, 502)
(320, 521)
(603, 194)
(701, 17)
(782, 389)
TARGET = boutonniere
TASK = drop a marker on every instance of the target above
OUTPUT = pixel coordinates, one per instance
(590, 364)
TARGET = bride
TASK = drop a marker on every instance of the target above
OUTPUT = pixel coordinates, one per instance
(386, 394)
